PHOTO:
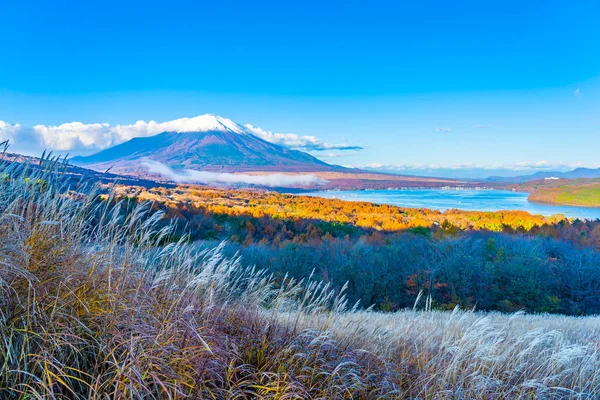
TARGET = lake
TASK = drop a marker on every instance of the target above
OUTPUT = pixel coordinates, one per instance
(468, 199)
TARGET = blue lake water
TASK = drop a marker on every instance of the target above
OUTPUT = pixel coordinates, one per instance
(444, 199)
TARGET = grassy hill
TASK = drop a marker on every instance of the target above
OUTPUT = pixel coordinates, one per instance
(98, 302)
(574, 192)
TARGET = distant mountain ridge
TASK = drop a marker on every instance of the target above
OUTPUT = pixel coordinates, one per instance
(210, 143)
(574, 174)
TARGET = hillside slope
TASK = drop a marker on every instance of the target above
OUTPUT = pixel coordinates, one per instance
(570, 192)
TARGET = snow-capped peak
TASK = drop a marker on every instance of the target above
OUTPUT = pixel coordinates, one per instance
(203, 123)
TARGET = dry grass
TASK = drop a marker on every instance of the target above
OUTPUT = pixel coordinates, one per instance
(94, 306)
(471, 355)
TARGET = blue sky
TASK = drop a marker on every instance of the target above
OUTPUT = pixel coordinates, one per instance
(430, 83)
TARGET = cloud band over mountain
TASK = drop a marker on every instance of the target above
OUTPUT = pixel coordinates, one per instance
(80, 138)
(291, 140)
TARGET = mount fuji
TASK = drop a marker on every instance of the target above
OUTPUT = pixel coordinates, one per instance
(212, 144)
(205, 143)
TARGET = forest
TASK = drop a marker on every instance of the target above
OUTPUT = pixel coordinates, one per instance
(504, 261)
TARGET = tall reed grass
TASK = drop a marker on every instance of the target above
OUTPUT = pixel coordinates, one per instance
(96, 302)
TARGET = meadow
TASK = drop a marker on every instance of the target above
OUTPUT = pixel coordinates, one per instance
(100, 300)
(576, 192)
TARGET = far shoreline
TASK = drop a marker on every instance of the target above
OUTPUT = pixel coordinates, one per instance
(451, 188)
(575, 211)
(554, 203)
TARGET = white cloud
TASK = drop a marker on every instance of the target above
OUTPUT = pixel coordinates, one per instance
(291, 140)
(9, 132)
(443, 129)
(337, 154)
(80, 138)
(221, 178)
(75, 135)
(28, 139)
(576, 92)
